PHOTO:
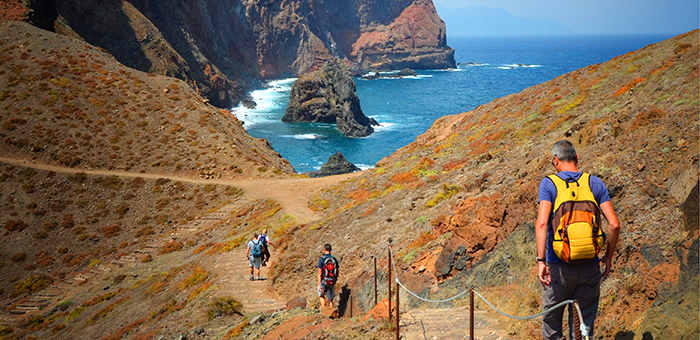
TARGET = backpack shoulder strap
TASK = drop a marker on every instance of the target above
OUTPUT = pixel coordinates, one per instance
(560, 185)
(587, 194)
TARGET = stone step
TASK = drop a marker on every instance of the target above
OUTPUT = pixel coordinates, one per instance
(210, 218)
(50, 292)
(104, 268)
(37, 299)
(27, 307)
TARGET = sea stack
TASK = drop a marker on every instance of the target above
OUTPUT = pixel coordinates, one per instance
(328, 95)
(336, 165)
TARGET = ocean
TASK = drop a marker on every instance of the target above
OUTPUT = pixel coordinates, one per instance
(488, 68)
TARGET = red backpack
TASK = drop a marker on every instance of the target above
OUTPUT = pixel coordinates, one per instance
(330, 271)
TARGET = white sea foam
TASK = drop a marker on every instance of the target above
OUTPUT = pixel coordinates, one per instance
(392, 75)
(474, 64)
(268, 103)
(364, 166)
(512, 66)
(384, 126)
(458, 69)
(419, 76)
(305, 136)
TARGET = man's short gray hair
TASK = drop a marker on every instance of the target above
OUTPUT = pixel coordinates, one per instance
(564, 151)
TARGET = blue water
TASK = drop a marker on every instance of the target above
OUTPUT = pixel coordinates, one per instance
(407, 107)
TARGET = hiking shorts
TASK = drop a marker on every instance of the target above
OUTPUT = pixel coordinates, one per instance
(581, 283)
(254, 261)
(328, 290)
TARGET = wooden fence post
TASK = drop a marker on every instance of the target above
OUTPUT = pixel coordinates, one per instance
(375, 280)
(577, 322)
(397, 311)
(471, 314)
(389, 284)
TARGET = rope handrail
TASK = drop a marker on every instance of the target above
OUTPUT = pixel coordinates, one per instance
(584, 330)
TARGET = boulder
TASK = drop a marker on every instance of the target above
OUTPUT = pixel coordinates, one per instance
(380, 311)
(330, 312)
(336, 165)
(328, 95)
(249, 104)
(298, 302)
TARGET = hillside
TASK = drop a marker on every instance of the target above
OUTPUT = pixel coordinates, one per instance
(66, 102)
(471, 180)
(121, 191)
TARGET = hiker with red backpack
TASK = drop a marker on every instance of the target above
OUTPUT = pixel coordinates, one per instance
(569, 238)
(254, 254)
(327, 276)
(266, 250)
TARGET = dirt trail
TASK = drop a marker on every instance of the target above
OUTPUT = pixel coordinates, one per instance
(448, 324)
(255, 296)
(291, 193)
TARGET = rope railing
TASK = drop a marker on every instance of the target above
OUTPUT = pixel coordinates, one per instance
(582, 326)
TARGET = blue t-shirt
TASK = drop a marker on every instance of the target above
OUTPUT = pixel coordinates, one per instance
(548, 192)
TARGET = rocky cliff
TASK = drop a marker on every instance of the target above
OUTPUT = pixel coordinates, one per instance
(220, 47)
(328, 95)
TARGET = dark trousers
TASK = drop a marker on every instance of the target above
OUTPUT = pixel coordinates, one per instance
(266, 255)
(581, 283)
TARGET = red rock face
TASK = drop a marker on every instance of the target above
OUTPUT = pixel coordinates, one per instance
(415, 39)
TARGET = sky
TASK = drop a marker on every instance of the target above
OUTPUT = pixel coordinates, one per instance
(572, 16)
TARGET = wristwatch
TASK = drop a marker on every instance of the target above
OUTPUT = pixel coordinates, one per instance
(541, 260)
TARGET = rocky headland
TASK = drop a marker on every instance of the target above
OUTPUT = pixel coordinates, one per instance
(222, 48)
(328, 95)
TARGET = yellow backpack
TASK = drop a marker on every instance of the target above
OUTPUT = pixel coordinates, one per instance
(578, 237)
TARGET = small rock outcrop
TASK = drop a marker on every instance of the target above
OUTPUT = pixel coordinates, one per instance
(407, 72)
(329, 95)
(336, 165)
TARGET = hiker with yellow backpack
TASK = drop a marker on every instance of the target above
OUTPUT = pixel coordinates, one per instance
(569, 238)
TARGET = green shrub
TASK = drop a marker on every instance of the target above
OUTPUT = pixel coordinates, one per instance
(111, 182)
(223, 306)
(74, 314)
(447, 192)
(31, 285)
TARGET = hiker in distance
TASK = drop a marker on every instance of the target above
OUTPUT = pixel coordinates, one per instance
(569, 238)
(266, 243)
(327, 276)
(254, 254)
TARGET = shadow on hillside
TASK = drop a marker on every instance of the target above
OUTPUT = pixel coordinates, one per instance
(629, 335)
(343, 297)
(107, 26)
